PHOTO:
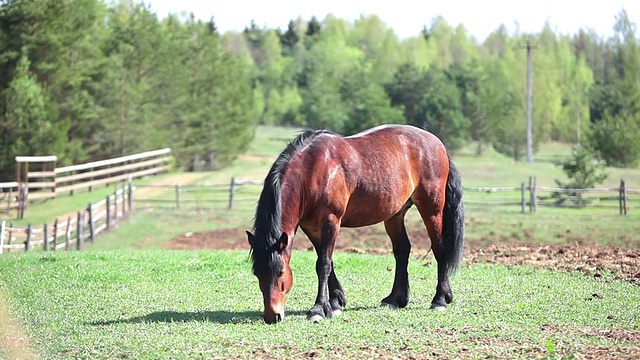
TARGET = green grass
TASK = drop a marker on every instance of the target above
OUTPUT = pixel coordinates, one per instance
(111, 302)
(184, 305)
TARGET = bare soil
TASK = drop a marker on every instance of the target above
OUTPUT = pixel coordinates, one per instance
(602, 262)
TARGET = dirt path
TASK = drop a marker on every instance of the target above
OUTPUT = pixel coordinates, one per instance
(15, 344)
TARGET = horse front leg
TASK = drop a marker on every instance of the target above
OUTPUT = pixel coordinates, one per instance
(330, 294)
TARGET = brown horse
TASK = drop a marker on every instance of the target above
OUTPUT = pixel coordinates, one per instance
(323, 181)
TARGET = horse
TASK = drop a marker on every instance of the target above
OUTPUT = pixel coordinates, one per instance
(323, 181)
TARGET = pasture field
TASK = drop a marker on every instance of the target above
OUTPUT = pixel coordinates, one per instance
(112, 302)
(206, 304)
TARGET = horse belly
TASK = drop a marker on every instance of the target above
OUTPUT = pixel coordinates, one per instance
(371, 209)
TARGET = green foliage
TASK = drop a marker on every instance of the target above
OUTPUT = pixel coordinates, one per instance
(582, 170)
(116, 79)
(26, 129)
(441, 110)
(616, 139)
(366, 103)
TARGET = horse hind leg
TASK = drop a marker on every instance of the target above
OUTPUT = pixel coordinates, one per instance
(396, 230)
(433, 223)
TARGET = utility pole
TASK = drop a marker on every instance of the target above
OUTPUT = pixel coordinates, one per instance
(529, 99)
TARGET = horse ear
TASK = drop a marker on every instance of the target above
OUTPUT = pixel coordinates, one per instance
(283, 242)
(251, 238)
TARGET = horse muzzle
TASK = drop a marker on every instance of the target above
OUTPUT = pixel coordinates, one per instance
(273, 314)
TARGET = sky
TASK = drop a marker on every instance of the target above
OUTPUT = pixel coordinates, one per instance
(407, 17)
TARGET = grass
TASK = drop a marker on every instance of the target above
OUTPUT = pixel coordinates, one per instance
(189, 304)
(111, 302)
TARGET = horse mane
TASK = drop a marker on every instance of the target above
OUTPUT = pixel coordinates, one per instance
(268, 218)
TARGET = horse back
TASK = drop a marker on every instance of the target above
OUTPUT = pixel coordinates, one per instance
(368, 177)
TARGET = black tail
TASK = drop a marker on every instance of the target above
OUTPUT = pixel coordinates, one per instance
(453, 221)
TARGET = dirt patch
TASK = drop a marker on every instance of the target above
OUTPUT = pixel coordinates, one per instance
(601, 262)
(15, 343)
(593, 260)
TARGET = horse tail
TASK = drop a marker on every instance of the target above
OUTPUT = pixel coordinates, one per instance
(453, 221)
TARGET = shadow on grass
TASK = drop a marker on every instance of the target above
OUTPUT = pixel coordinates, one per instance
(219, 317)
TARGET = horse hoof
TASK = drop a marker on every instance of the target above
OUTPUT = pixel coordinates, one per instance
(437, 307)
(336, 312)
(315, 318)
(390, 306)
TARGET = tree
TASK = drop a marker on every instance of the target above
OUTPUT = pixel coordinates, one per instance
(327, 61)
(289, 39)
(467, 80)
(583, 171)
(440, 109)
(616, 139)
(366, 103)
(406, 89)
(25, 125)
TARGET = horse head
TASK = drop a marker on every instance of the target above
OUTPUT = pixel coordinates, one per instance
(271, 267)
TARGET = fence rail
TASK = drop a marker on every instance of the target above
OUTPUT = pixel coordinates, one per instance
(526, 196)
(86, 176)
(530, 197)
(72, 229)
(44, 180)
(9, 195)
(98, 217)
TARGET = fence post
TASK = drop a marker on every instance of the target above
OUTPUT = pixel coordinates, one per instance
(130, 191)
(534, 194)
(3, 226)
(46, 237)
(232, 192)
(22, 200)
(533, 202)
(623, 197)
(67, 244)
(108, 201)
(124, 200)
(523, 197)
(10, 233)
(27, 244)
(92, 227)
(80, 240)
(55, 234)
(9, 200)
(177, 196)
(530, 193)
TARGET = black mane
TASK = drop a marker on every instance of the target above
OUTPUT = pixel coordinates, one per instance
(268, 218)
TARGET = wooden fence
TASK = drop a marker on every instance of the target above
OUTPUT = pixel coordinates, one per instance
(72, 230)
(89, 222)
(10, 195)
(531, 196)
(46, 184)
(197, 197)
(39, 178)
(528, 196)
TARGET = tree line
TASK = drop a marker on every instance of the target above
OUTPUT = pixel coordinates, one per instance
(85, 80)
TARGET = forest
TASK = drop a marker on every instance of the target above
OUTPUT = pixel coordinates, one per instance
(88, 80)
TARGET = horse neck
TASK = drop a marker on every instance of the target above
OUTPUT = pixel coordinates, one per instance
(278, 210)
(291, 206)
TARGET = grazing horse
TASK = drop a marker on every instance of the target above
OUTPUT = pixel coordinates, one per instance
(323, 181)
